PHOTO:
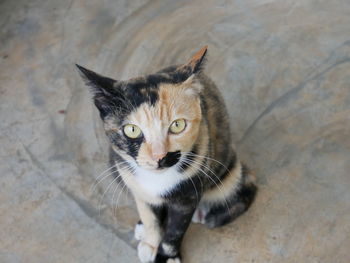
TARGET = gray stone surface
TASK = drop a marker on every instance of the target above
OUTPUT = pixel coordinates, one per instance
(284, 69)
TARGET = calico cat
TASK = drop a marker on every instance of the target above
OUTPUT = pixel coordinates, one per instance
(171, 146)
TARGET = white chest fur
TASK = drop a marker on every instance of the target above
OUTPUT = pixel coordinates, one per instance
(158, 183)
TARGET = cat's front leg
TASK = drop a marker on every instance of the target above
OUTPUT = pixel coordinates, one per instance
(178, 219)
(151, 232)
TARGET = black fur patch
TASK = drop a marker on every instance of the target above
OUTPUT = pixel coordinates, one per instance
(189, 158)
(160, 212)
(103, 91)
(178, 219)
(173, 75)
(121, 97)
(131, 146)
(160, 258)
(170, 159)
(97, 83)
(135, 93)
(187, 192)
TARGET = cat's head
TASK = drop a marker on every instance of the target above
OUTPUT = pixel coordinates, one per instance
(151, 120)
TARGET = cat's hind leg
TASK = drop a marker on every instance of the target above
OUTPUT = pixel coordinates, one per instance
(224, 213)
(229, 201)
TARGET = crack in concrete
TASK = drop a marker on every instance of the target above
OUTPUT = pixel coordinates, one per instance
(286, 96)
(84, 205)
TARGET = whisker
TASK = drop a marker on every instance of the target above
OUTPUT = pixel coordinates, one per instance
(99, 179)
(114, 192)
(100, 203)
(222, 193)
(116, 204)
(206, 157)
(115, 207)
(116, 178)
(106, 176)
(200, 180)
(207, 167)
(194, 186)
(195, 189)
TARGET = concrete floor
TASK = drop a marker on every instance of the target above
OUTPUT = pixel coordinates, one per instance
(284, 69)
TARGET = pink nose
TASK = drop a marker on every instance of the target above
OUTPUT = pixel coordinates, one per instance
(158, 156)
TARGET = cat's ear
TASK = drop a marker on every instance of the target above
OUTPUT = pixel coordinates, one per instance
(196, 63)
(193, 85)
(102, 89)
(99, 85)
(191, 69)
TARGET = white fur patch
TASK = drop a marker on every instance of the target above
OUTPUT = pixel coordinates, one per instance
(139, 232)
(168, 249)
(173, 260)
(196, 218)
(146, 252)
(199, 215)
(158, 183)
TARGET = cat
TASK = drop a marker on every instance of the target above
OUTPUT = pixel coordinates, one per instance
(171, 146)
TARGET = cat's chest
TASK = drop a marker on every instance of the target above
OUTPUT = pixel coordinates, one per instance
(158, 184)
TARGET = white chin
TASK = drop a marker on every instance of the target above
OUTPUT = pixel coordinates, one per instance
(154, 169)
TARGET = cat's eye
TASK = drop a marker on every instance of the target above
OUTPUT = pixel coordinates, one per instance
(177, 126)
(132, 131)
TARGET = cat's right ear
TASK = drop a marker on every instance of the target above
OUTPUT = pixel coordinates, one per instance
(99, 85)
(102, 89)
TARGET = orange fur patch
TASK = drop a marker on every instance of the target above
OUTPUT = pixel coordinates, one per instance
(198, 57)
(174, 103)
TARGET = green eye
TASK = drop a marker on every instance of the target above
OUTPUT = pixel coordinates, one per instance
(178, 126)
(132, 131)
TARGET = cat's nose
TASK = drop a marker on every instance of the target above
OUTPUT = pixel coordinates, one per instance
(170, 159)
(158, 150)
(158, 156)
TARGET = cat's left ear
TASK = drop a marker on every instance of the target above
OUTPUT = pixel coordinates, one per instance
(192, 68)
(196, 63)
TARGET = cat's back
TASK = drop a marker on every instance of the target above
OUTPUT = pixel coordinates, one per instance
(217, 118)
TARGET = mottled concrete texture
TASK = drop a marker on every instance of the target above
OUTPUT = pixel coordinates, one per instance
(284, 68)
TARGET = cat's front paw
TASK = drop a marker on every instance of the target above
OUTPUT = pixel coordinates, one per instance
(167, 253)
(173, 260)
(166, 259)
(146, 252)
(139, 232)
